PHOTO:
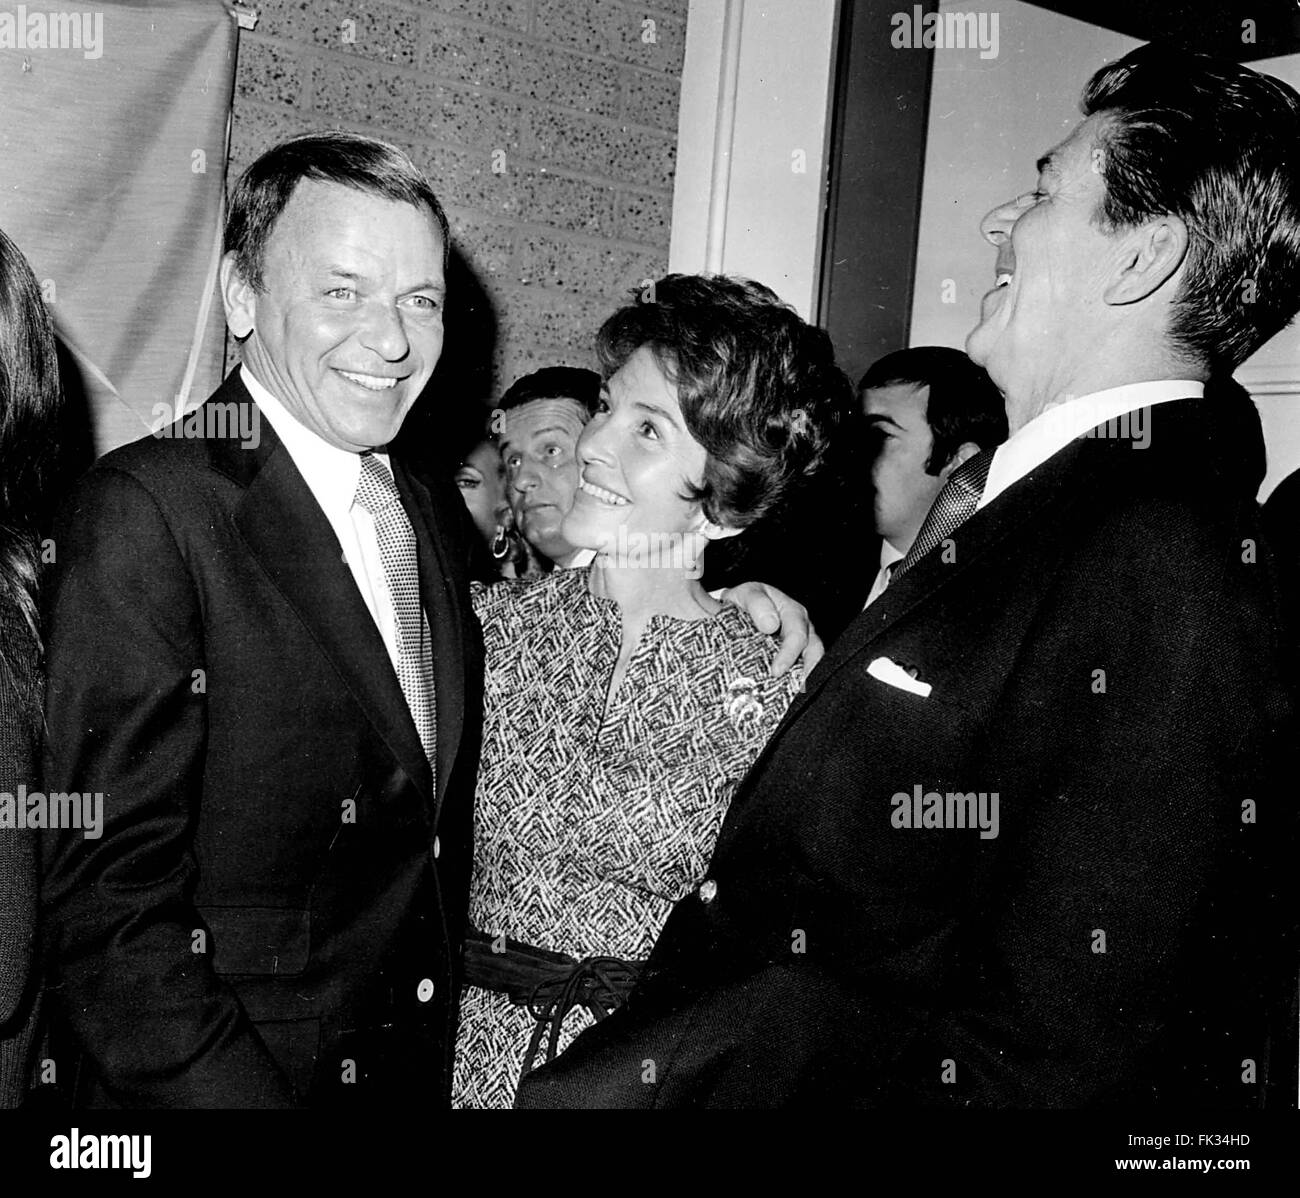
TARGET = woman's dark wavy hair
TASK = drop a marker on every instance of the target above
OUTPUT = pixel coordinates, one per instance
(30, 402)
(758, 386)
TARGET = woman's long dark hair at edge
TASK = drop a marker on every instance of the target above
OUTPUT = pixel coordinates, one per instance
(30, 400)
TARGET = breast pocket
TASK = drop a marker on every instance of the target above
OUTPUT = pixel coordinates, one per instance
(928, 714)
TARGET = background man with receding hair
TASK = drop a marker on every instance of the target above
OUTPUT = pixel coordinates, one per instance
(541, 416)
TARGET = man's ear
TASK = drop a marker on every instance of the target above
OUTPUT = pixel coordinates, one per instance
(965, 451)
(1151, 255)
(239, 297)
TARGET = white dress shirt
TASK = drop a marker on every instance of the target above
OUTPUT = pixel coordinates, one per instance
(889, 557)
(331, 474)
(1051, 431)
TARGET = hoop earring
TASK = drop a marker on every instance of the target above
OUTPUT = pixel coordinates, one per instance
(501, 544)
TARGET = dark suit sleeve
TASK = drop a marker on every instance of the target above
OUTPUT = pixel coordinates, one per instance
(785, 1036)
(124, 640)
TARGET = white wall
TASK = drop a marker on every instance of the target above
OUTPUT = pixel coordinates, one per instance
(1273, 374)
(989, 122)
(769, 214)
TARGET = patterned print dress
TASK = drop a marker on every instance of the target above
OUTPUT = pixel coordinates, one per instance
(590, 822)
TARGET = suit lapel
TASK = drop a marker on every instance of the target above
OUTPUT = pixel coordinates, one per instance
(1033, 497)
(973, 539)
(293, 541)
(445, 620)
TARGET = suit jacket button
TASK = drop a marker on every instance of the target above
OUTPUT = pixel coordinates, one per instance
(708, 890)
(437, 848)
(424, 991)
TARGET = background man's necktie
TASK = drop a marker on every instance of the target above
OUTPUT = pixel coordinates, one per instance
(377, 493)
(955, 504)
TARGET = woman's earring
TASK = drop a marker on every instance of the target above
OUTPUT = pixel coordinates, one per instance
(501, 543)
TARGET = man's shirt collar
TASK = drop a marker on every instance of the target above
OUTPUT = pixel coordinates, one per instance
(330, 472)
(1052, 430)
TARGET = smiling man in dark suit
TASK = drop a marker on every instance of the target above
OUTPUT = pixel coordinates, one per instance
(1012, 847)
(261, 650)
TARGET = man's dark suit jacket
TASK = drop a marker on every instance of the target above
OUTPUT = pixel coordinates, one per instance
(278, 872)
(1103, 655)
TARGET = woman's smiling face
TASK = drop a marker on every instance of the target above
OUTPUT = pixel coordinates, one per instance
(639, 463)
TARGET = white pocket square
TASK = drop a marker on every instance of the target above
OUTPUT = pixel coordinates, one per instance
(892, 674)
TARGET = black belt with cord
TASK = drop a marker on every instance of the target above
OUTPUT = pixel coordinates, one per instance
(548, 983)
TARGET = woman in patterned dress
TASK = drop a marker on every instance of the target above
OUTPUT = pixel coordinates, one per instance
(623, 704)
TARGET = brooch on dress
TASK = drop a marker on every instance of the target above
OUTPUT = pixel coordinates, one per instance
(743, 704)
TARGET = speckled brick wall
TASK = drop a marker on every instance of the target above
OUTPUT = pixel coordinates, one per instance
(548, 128)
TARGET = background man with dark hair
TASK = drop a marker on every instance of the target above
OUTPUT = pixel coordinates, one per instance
(930, 409)
(1016, 844)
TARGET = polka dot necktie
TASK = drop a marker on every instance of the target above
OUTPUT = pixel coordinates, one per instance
(377, 493)
(955, 504)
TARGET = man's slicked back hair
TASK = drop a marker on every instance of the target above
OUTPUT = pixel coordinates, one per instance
(349, 159)
(1217, 145)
